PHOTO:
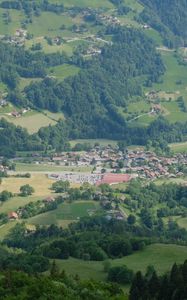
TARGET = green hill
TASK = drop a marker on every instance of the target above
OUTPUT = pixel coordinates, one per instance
(160, 256)
(94, 63)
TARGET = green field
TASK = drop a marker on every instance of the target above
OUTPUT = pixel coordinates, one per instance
(182, 222)
(16, 17)
(161, 256)
(23, 167)
(33, 121)
(178, 180)
(63, 71)
(65, 212)
(86, 3)
(179, 147)
(102, 142)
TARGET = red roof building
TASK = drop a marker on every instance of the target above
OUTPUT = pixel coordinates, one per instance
(112, 178)
(13, 215)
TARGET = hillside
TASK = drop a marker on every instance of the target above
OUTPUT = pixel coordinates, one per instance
(55, 50)
(164, 15)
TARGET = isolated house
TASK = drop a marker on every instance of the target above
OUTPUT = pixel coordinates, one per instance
(13, 215)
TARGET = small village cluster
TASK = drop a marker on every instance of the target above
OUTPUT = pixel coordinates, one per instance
(144, 163)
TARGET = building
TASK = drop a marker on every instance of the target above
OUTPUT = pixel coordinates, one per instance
(13, 215)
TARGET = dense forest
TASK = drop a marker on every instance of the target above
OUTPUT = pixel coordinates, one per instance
(19, 285)
(170, 286)
(168, 17)
(16, 62)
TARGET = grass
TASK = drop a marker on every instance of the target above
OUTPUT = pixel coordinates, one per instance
(179, 147)
(26, 81)
(16, 17)
(174, 73)
(174, 112)
(179, 180)
(22, 167)
(182, 222)
(14, 203)
(161, 256)
(5, 228)
(63, 71)
(65, 213)
(102, 142)
(87, 3)
(33, 121)
(48, 24)
(40, 182)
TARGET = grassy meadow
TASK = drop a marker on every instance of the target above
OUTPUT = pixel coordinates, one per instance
(161, 256)
(24, 167)
(179, 147)
(40, 182)
(65, 213)
(32, 120)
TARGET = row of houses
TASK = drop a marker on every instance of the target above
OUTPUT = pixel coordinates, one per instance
(145, 163)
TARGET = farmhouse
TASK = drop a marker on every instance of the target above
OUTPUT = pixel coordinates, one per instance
(13, 215)
(49, 199)
(21, 32)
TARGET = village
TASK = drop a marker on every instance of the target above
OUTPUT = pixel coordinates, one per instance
(138, 163)
(108, 165)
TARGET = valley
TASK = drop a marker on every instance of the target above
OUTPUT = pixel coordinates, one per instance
(93, 149)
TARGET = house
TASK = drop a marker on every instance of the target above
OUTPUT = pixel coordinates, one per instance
(49, 199)
(21, 32)
(15, 114)
(13, 215)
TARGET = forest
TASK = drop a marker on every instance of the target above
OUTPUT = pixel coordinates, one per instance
(170, 286)
(169, 18)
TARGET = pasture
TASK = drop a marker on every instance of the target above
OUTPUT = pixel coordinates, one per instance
(92, 142)
(33, 120)
(161, 256)
(40, 168)
(63, 71)
(40, 182)
(179, 147)
(65, 213)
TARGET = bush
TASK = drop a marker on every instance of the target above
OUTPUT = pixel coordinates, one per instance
(120, 274)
